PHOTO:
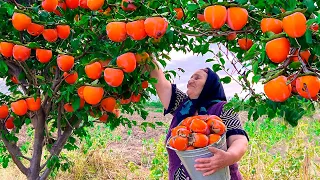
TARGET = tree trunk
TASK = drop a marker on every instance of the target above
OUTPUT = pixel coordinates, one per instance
(39, 120)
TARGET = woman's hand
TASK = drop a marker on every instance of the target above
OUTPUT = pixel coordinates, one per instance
(210, 165)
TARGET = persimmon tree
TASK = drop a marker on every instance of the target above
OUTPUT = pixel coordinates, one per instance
(66, 61)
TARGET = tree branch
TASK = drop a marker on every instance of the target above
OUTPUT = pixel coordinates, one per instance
(13, 149)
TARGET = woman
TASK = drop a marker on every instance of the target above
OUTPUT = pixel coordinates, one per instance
(205, 95)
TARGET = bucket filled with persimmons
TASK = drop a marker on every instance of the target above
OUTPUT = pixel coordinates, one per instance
(191, 139)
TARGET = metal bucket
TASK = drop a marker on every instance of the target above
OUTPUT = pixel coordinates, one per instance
(188, 160)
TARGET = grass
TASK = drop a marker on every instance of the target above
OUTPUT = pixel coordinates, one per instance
(276, 151)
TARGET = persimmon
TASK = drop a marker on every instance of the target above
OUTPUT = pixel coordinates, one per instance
(179, 12)
(63, 6)
(104, 63)
(95, 4)
(295, 25)
(307, 86)
(271, 24)
(212, 118)
(108, 104)
(213, 138)
(245, 43)
(35, 29)
(180, 131)
(278, 49)
(83, 4)
(43, 55)
(232, 36)
(104, 117)
(127, 61)
(155, 27)
(116, 112)
(199, 126)
(186, 122)
(4, 111)
(14, 79)
(93, 70)
(63, 31)
(113, 77)
(277, 90)
(303, 54)
(93, 95)
(217, 127)
(237, 18)
(314, 27)
(178, 142)
(6, 49)
(200, 17)
(72, 4)
(20, 21)
(127, 5)
(116, 31)
(49, 5)
(144, 84)
(141, 58)
(190, 148)
(125, 101)
(65, 62)
(216, 16)
(19, 107)
(68, 107)
(80, 91)
(82, 103)
(33, 104)
(135, 98)
(199, 140)
(50, 35)
(136, 30)
(70, 78)
(21, 53)
(9, 123)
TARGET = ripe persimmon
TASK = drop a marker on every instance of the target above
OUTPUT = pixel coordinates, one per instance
(21, 53)
(33, 104)
(9, 123)
(20, 21)
(178, 142)
(142, 57)
(307, 86)
(135, 98)
(93, 95)
(199, 140)
(215, 15)
(155, 27)
(80, 91)
(84, 4)
(277, 90)
(43, 55)
(65, 62)
(180, 131)
(136, 30)
(179, 12)
(144, 84)
(303, 54)
(68, 107)
(200, 17)
(63, 31)
(104, 63)
(237, 18)
(116, 31)
(127, 5)
(50, 35)
(63, 6)
(19, 107)
(14, 79)
(187, 121)
(70, 78)
(108, 104)
(217, 127)
(231, 36)
(245, 43)
(190, 148)
(49, 5)
(125, 101)
(271, 24)
(72, 4)
(4, 111)
(93, 70)
(213, 138)
(127, 61)
(113, 77)
(278, 49)
(199, 126)
(295, 25)
(6, 49)
(104, 117)
(35, 29)
(95, 4)
(314, 27)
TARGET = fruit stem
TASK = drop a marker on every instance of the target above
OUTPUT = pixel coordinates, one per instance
(274, 76)
(283, 34)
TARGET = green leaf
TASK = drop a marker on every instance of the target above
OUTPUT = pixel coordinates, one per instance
(28, 121)
(40, 77)
(192, 7)
(209, 60)
(310, 5)
(226, 80)
(308, 36)
(256, 78)
(255, 67)
(242, 1)
(216, 67)
(76, 103)
(3, 67)
(250, 53)
(295, 65)
(33, 45)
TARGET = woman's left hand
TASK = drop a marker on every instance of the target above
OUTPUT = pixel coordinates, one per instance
(210, 165)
